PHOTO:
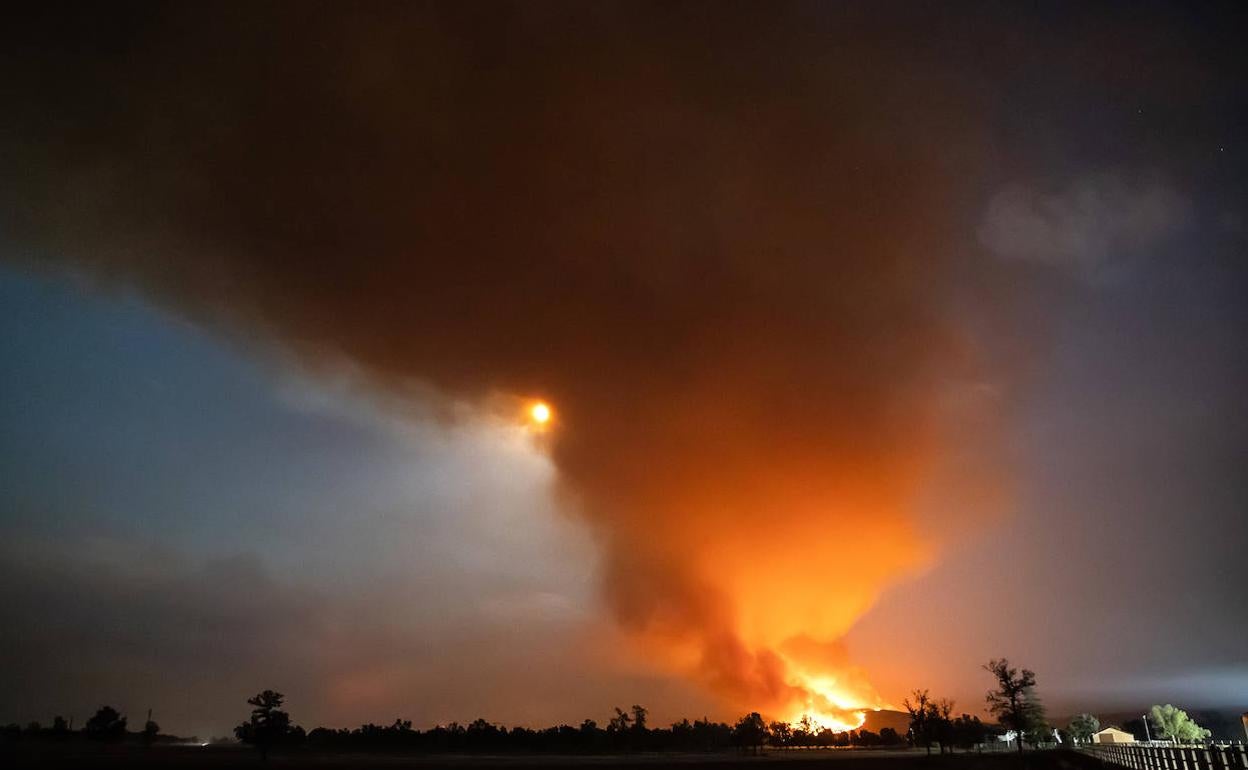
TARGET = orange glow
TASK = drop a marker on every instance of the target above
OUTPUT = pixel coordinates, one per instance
(774, 594)
(540, 412)
(828, 705)
(837, 722)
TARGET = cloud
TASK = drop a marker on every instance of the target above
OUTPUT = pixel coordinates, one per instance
(1097, 221)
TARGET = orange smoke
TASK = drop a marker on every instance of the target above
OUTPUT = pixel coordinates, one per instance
(751, 543)
(727, 264)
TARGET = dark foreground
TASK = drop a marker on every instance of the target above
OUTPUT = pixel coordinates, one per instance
(213, 757)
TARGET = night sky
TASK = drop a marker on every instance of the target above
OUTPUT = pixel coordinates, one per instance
(880, 340)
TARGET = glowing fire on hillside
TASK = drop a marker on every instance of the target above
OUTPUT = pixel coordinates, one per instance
(836, 723)
(828, 706)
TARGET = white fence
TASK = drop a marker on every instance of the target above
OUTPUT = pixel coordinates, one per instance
(1171, 757)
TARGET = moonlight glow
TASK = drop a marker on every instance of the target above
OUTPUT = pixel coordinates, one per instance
(540, 413)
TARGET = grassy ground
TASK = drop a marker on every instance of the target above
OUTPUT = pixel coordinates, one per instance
(214, 757)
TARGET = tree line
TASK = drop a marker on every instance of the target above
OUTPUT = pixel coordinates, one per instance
(1012, 701)
(106, 725)
(628, 731)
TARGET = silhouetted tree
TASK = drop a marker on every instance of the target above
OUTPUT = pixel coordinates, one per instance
(889, 737)
(920, 712)
(589, 737)
(106, 725)
(268, 724)
(750, 732)
(967, 731)
(682, 734)
(942, 723)
(481, 735)
(60, 727)
(619, 723)
(711, 735)
(1014, 702)
(805, 732)
(150, 731)
(1040, 732)
(781, 734)
(639, 719)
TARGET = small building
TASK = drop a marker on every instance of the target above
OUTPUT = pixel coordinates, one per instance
(1113, 735)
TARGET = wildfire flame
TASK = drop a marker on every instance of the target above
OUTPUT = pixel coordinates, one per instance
(763, 631)
(835, 723)
(828, 707)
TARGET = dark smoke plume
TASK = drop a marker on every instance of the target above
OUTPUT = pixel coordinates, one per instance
(718, 239)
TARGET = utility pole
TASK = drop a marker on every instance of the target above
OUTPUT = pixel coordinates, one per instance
(1146, 733)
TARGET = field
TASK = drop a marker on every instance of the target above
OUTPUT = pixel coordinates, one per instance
(212, 757)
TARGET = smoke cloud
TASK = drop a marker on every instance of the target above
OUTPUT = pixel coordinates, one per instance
(725, 264)
(1098, 219)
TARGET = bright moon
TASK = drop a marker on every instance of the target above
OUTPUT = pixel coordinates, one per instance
(540, 413)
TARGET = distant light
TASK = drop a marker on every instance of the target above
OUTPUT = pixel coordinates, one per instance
(540, 413)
